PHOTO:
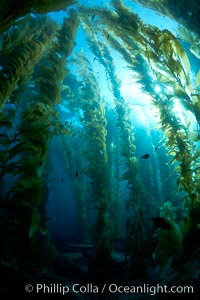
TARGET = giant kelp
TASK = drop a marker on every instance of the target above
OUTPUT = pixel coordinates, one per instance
(140, 36)
(184, 12)
(192, 38)
(168, 62)
(102, 154)
(135, 238)
(156, 57)
(91, 114)
(36, 124)
(19, 55)
(94, 122)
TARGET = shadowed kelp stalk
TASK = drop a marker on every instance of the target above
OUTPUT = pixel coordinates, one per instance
(29, 146)
(11, 10)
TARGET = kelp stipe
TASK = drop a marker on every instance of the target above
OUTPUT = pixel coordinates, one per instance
(9, 14)
(28, 149)
(94, 124)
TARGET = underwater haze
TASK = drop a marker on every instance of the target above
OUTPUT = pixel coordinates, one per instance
(100, 149)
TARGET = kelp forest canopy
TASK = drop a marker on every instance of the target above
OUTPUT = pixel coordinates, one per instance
(113, 103)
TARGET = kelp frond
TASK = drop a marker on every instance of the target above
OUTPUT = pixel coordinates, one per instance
(19, 57)
(184, 12)
(10, 10)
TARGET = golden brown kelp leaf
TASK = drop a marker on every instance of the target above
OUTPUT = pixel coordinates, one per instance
(192, 38)
(18, 60)
(25, 166)
(130, 20)
(118, 20)
(118, 45)
(67, 34)
(198, 79)
(26, 155)
(23, 33)
(179, 146)
(52, 69)
(28, 186)
(170, 65)
(10, 10)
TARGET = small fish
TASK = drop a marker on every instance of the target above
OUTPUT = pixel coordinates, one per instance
(107, 37)
(145, 156)
(94, 59)
(76, 174)
(156, 148)
(100, 152)
(161, 222)
(93, 18)
(62, 179)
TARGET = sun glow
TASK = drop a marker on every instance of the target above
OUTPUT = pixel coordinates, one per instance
(179, 111)
(139, 102)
